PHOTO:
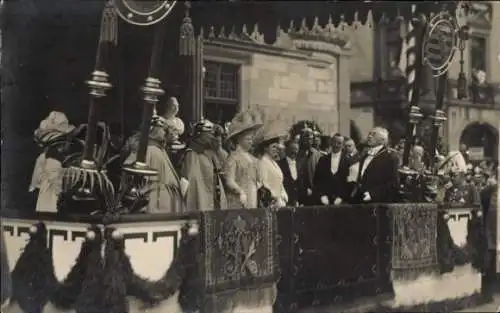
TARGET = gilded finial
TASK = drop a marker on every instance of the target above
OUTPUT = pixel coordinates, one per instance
(291, 27)
(255, 29)
(355, 23)
(369, 19)
(222, 33)
(232, 33)
(329, 27)
(256, 36)
(342, 23)
(211, 33)
(316, 29)
(244, 30)
(303, 26)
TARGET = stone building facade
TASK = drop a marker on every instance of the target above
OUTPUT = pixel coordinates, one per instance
(378, 91)
(304, 74)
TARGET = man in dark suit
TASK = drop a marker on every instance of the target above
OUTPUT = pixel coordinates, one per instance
(350, 150)
(289, 168)
(330, 180)
(307, 159)
(378, 178)
(353, 156)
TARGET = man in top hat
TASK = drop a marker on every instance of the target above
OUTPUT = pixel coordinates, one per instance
(201, 183)
(306, 162)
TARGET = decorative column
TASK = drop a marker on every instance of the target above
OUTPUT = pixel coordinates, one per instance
(192, 71)
(99, 83)
(88, 178)
(152, 92)
(414, 40)
(447, 35)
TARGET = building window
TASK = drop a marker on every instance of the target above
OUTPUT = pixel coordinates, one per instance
(390, 45)
(222, 82)
(222, 91)
(478, 54)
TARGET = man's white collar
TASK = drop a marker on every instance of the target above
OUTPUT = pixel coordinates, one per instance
(375, 150)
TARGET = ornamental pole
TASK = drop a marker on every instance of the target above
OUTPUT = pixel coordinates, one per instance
(414, 39)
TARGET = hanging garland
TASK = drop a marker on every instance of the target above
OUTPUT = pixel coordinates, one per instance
(101, 279)
(33, 276)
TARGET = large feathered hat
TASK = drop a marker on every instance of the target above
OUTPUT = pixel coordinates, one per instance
(247, 120)
(52, 127)
(307, 131)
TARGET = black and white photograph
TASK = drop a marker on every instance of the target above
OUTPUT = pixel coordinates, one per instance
(239, 156)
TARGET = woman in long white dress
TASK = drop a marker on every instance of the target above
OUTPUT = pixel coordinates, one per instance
(268, 143)
(47, 173)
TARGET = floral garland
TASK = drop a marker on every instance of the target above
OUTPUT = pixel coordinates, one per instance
(98, 282)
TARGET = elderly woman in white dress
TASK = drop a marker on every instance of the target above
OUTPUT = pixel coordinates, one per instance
(268, 143)
(47, 174)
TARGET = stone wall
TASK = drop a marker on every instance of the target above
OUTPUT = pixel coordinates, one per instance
(302, 75)
(295, 89)
(362, 117)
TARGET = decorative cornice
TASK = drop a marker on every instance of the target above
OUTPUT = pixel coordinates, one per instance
(326, 39)
(327, 35)
(254, 37)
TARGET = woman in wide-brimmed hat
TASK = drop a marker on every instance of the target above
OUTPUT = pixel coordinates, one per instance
(267, 146)
(47, 178)
(241, 165)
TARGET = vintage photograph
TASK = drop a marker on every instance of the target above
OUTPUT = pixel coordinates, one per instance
(249, 156)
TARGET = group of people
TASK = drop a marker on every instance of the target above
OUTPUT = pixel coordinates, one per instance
(263, 167)
(339, 173)
(253, 163)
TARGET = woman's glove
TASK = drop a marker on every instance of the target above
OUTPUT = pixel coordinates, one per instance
(243, 199)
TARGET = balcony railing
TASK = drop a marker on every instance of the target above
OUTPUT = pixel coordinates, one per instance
(487, 94)
(317, 255)
(387, 92)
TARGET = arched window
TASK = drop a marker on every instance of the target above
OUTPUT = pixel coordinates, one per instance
(482, 140)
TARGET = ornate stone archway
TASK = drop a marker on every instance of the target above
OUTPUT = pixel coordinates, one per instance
(481, 134)
(461, 117)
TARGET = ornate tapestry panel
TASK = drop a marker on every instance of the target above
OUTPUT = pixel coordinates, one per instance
(414, 246)
(240, 249)
(332, 254)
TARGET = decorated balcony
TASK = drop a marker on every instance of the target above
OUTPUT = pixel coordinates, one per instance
(420, 257)
(485, 95)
